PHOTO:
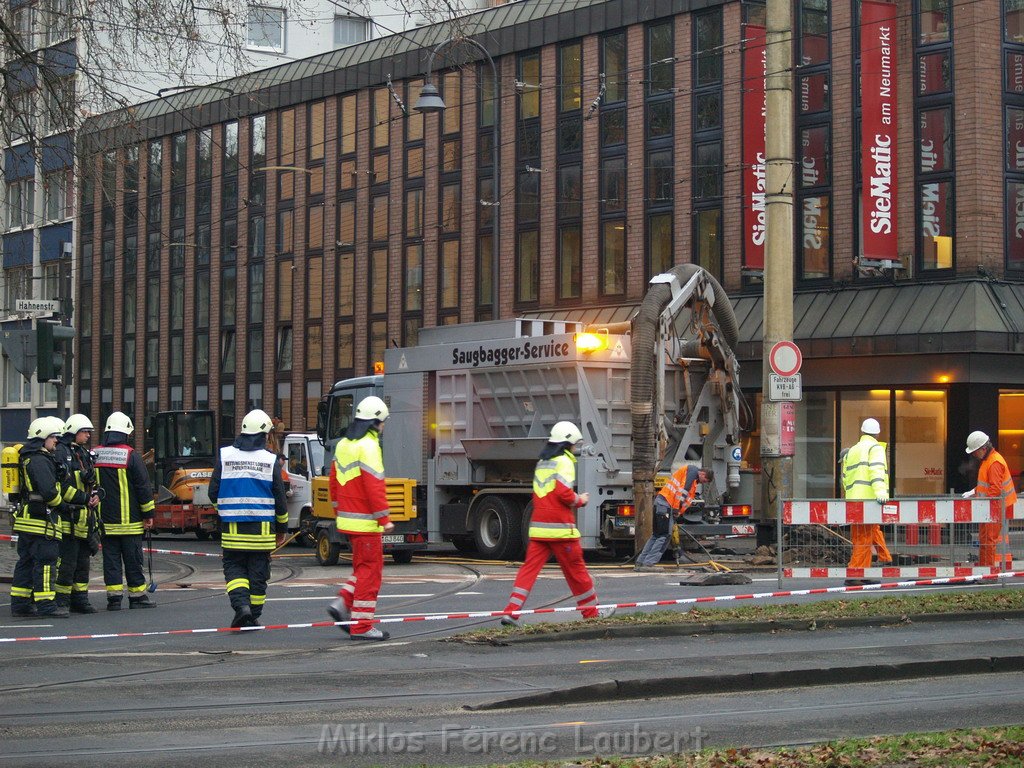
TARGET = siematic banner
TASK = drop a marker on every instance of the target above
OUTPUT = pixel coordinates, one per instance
(878, 129)
(754, 213)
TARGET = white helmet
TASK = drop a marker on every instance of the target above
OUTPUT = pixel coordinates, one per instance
(372, 407)
(45, 426)
(255, 422)
(976, 440)
(565, 432)
(119, 422)
(77, 423)
(870, 427)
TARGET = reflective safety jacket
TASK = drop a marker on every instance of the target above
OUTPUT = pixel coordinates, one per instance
(865, 470)
(127, 494)
(250, 495)
(77, 464)
(42, 493)
(554, 500)
(994, 478)
(681, 487)
(358, 489)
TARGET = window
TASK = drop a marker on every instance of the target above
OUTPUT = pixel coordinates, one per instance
(264, 29)
(60, 101)
(349, 30)
(613, 49)
(613, 258)
(23, 109)
(55, 195)
(204, 161)
(258, 140)
(230, 149)
(661, 58)
(933, 22)
(57, 20)
(20, 203)
(529, 76)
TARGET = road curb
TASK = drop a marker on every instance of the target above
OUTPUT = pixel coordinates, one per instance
(645, 688)
(741, 627)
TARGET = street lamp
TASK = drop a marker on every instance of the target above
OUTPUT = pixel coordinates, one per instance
(430, 102)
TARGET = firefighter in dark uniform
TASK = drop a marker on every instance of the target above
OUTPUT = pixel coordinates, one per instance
(249, 493)
(74, 458)
(37, 522)
(126, 510)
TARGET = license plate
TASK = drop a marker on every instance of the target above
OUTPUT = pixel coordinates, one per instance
(393, 538)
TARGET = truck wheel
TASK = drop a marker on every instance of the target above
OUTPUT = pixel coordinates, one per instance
(499, 528)
(202, 535)
(327, 551)
(402, 556)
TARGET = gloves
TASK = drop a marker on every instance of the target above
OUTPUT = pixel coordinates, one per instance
(967, 494)
(881, 497)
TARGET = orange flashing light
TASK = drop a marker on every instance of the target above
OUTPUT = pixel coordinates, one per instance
(626, 510)
(591, 342)
(378, 367)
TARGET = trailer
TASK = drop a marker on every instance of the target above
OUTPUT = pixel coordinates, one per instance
(471, 407)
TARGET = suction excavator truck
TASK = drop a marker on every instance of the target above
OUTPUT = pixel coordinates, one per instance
(472, 405)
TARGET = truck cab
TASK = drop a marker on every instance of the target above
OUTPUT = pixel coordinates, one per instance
(304, 460)
(334, 415)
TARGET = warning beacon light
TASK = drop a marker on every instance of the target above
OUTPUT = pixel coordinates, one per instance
(378, 367)
(587, 342)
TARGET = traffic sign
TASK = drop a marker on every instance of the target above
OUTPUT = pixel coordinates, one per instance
(784, 387)
(785, 358)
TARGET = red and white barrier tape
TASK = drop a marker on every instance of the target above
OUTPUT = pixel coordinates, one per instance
(146, 549)
(529, 611)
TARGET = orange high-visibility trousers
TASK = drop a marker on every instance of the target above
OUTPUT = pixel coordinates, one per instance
(569, 555)
(361, 590)
(864, 538)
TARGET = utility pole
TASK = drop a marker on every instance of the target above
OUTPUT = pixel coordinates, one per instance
(781, 180)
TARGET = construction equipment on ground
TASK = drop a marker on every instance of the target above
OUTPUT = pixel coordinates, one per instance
(184, 451)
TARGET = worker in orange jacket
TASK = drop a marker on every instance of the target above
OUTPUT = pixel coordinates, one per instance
(674, 499)
(361, 501)
(994, 480)
(553, 528)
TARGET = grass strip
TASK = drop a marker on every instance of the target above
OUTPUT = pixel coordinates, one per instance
(996, 747)
(860, 605)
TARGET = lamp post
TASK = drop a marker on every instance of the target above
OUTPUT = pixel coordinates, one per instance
(430, 102)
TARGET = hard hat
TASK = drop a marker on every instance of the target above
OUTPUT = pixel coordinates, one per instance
(565, 432)
(45, 426)
(77, 423)
(372, 407)
(870, 427)
(976, 440)
(119, 422)
(255, 422)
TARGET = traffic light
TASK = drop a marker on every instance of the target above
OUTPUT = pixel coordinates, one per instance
(53, 349)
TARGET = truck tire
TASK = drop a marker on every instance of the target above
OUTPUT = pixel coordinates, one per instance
(202, 535)
(402, 556)
(327, 551)
(498, 528)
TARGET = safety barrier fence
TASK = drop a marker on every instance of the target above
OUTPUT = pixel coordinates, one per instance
(915, 537)
(536, 611)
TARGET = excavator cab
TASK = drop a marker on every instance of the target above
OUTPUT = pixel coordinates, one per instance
(182, 440)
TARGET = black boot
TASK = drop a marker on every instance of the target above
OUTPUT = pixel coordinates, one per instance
(80, 603)
(243, 617)
(256, 613)
(140, 602)
(22, 608)
(113, 603)
(51, 609)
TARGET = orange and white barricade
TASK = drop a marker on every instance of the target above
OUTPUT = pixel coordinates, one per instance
(921, 537)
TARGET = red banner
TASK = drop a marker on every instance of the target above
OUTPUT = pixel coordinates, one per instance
(878, 129)
(754, 213)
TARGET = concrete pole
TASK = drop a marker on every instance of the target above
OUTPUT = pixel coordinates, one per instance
(777, 471)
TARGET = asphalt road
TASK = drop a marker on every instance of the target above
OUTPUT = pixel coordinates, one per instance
(312, 696)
